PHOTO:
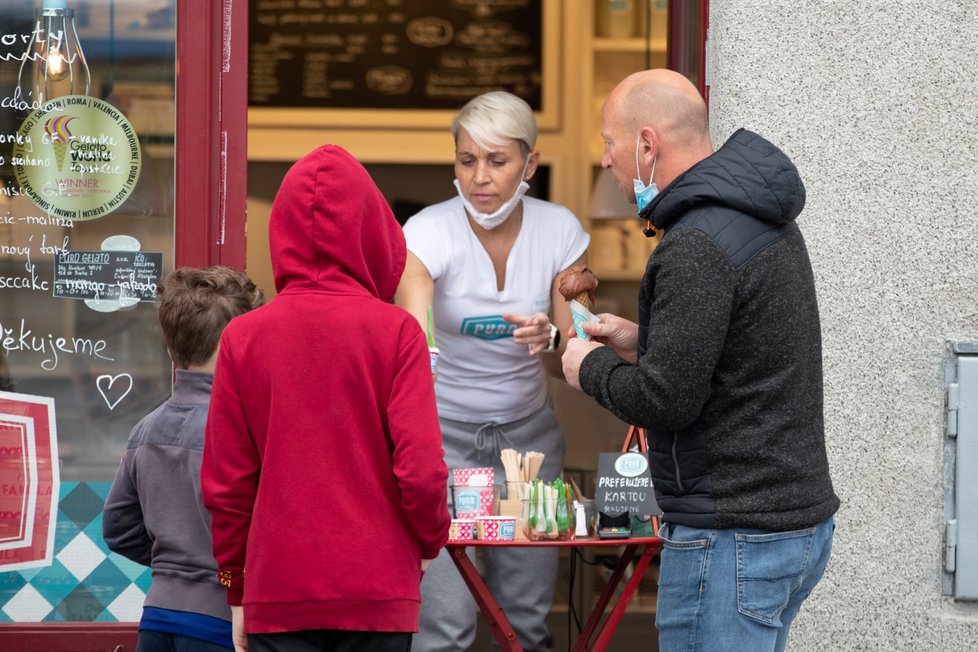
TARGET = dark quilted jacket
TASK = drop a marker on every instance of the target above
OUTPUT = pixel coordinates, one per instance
(729, 380)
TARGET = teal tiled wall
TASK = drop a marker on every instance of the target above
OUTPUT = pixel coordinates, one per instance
(85, 582)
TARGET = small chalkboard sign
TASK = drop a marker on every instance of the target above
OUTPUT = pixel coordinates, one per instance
(624, 484)
(107, 275)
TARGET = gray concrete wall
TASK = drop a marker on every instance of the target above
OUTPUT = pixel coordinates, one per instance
(877, 103)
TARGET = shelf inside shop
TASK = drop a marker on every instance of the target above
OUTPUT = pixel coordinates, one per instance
(628, 44)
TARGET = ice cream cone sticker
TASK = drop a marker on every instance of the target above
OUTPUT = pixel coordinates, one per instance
(57, 131)
(105, 157)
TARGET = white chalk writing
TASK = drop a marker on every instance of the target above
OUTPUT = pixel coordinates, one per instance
(20, 338)
(112, 398)
(625, 482)
(30, 282)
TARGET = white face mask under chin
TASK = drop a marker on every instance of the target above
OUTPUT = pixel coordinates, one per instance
(491, 220)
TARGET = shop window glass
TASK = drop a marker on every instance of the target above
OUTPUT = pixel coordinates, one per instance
(86, 228)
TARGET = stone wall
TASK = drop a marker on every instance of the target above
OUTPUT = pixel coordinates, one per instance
(877, 103)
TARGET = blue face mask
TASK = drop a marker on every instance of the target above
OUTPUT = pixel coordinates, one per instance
(644, 194)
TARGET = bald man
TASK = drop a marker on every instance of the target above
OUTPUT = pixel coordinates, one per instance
(724, 370)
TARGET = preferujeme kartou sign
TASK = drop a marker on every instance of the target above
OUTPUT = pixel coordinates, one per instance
(624, 484)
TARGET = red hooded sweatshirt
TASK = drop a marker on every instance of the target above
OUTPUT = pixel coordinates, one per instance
(323, 468)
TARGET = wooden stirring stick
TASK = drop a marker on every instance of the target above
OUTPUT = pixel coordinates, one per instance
(577, 490)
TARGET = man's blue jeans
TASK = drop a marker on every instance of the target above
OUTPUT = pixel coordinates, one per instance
(736, 590)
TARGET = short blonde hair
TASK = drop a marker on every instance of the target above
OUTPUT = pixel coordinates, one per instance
(497, 118)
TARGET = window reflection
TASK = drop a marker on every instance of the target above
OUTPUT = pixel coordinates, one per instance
(104, 368)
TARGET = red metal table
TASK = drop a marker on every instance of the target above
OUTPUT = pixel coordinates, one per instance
(598, 630)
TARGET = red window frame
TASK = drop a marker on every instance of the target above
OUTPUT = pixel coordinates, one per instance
(689, 25)
(211, 141)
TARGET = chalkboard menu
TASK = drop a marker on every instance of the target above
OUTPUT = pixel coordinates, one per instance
(107, 275)
(624, 484)
(403, 54)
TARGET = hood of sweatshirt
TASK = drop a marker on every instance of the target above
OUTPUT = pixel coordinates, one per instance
(331, 230)
(748, 174)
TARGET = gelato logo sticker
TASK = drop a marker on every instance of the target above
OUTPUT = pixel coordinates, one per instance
(59, 136)
(630, 465)
(488, 327)
(77, 158)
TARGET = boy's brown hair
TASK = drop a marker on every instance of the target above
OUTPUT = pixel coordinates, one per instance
(195, 306)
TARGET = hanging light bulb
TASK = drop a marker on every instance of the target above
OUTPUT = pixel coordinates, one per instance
(54, 64)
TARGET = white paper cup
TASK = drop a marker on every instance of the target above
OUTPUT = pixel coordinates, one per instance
(461, 529)
(470, 502)
(495, 528)
(433, 354)
(580, 315)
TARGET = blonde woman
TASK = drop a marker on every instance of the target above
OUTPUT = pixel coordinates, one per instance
(487, 261)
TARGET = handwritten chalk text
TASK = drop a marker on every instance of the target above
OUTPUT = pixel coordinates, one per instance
(20, 338)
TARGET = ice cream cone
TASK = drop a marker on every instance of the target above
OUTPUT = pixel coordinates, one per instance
(581, 314)
(577, 283)
(57, 130)
(60, 149)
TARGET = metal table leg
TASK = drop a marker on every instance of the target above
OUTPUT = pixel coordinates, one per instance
(494, 615)
(604, 631)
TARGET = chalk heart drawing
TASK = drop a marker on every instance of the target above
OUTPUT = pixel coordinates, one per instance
(111, 393)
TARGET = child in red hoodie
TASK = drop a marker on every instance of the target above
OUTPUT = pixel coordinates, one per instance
(323, 468)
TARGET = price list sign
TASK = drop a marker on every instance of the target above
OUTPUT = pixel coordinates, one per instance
(107, 275)
(392, 54)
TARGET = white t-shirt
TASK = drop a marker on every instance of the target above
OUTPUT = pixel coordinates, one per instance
(483, 375)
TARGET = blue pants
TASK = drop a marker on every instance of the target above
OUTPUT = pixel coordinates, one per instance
(151, 641)
(739, 589)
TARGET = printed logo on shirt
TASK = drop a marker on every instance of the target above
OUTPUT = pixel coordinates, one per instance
(541, 304)
(487, 327)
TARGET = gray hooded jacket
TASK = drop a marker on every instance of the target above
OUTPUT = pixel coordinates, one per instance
(154, 513)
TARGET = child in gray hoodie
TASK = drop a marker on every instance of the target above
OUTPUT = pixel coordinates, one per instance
(154, 514)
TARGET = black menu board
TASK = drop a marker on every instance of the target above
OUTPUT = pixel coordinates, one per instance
(401, 54)
(624, 484)
(107, 275)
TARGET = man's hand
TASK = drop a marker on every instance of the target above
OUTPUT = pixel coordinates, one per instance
(576, 351)
(425, 563)
(618, 333)
(238, 636)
